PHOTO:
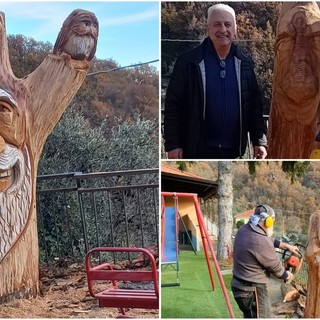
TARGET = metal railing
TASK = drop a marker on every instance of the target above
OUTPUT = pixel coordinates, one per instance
(78, 211)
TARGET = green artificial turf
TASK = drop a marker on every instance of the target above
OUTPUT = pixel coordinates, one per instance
(194, 298)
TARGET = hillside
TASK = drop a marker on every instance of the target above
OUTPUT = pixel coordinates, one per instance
(112, 122)
(293, 202)
(117, 94)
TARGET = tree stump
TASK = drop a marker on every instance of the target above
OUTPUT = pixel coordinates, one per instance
(294, 115)
(29, 110)
(313, 259)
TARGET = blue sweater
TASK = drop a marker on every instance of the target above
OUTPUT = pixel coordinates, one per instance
(222, 125)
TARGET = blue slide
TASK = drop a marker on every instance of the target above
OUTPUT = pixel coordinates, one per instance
(170, 241)
(170, 244)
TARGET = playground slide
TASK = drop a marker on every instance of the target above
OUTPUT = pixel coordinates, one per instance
(170, 241)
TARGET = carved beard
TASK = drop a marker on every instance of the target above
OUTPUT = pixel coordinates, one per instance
(15, 201)
(79, 47)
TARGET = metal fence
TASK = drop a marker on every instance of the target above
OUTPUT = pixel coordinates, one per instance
(78, 211)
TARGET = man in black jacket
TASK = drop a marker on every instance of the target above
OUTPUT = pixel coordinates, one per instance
(213, 99)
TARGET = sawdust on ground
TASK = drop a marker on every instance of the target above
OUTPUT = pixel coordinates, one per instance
(64, 294)
(281, 309)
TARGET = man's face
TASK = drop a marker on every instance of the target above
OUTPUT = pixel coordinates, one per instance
(221, 29)
(269, 231)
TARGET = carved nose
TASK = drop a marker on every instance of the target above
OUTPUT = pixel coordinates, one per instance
(2, 144)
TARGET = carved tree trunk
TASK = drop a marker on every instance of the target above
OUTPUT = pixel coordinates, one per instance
(296, 85)
(29, 110)
(313, 259)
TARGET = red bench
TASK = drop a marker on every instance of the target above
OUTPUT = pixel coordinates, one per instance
(118, 297)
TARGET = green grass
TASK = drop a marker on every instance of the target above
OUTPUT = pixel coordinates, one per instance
(194, 298)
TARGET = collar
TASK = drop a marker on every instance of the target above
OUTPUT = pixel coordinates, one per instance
(209, 48)
(258, 229)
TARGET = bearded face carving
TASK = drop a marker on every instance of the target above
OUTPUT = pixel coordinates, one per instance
(297, 72)
(26, 105)
(78, 36)
(296, 85)
(15, 174)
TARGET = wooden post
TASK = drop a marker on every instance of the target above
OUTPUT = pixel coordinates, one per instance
(296, 85)
(29, 110)
(313, 259)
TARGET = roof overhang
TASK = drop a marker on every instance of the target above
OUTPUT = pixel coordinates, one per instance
(178, 183)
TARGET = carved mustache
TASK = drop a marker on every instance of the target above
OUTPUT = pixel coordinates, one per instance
(11, 159)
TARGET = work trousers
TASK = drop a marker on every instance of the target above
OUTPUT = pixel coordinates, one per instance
(255, 302)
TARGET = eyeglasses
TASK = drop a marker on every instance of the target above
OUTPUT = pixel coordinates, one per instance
(223, 71)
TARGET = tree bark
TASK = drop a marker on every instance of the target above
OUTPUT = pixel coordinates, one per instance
(225, 203)
(294, 112)
(313, 259)
(35, 105)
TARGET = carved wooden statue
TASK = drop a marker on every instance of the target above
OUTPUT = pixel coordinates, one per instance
(29, 110)
(296, 86)
(313, 258)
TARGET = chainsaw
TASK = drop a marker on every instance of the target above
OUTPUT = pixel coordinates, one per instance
(292, 262)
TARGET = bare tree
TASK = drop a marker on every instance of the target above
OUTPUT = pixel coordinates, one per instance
(225, 203)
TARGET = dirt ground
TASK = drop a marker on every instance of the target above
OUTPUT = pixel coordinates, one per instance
(64, 294)
(282, 309)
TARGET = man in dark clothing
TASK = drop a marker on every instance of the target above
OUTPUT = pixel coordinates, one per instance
(213, 99)
(255, 260)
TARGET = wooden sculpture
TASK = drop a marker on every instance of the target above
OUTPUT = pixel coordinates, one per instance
(78, 36)
(312, 256)
(29, 110)
(296, 86)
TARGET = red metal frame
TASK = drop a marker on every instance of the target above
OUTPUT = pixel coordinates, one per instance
(123, 298)
(205, 242)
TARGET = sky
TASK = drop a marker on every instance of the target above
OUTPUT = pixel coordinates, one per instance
(128, 31)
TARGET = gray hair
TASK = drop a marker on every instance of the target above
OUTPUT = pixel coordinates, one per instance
(222, 7)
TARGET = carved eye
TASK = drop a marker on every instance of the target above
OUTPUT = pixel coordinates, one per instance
(87, 23)
(4, 108)
(6, 114)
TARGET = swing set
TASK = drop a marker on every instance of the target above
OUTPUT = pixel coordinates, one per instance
(169, 241)
(170, 217)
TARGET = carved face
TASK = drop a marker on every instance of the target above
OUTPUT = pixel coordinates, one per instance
(15, 173)
(12, 120)
(297, 61)
(12, 135)
(78, 35)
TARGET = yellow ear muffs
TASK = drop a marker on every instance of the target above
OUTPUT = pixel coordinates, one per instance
(268, 222)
